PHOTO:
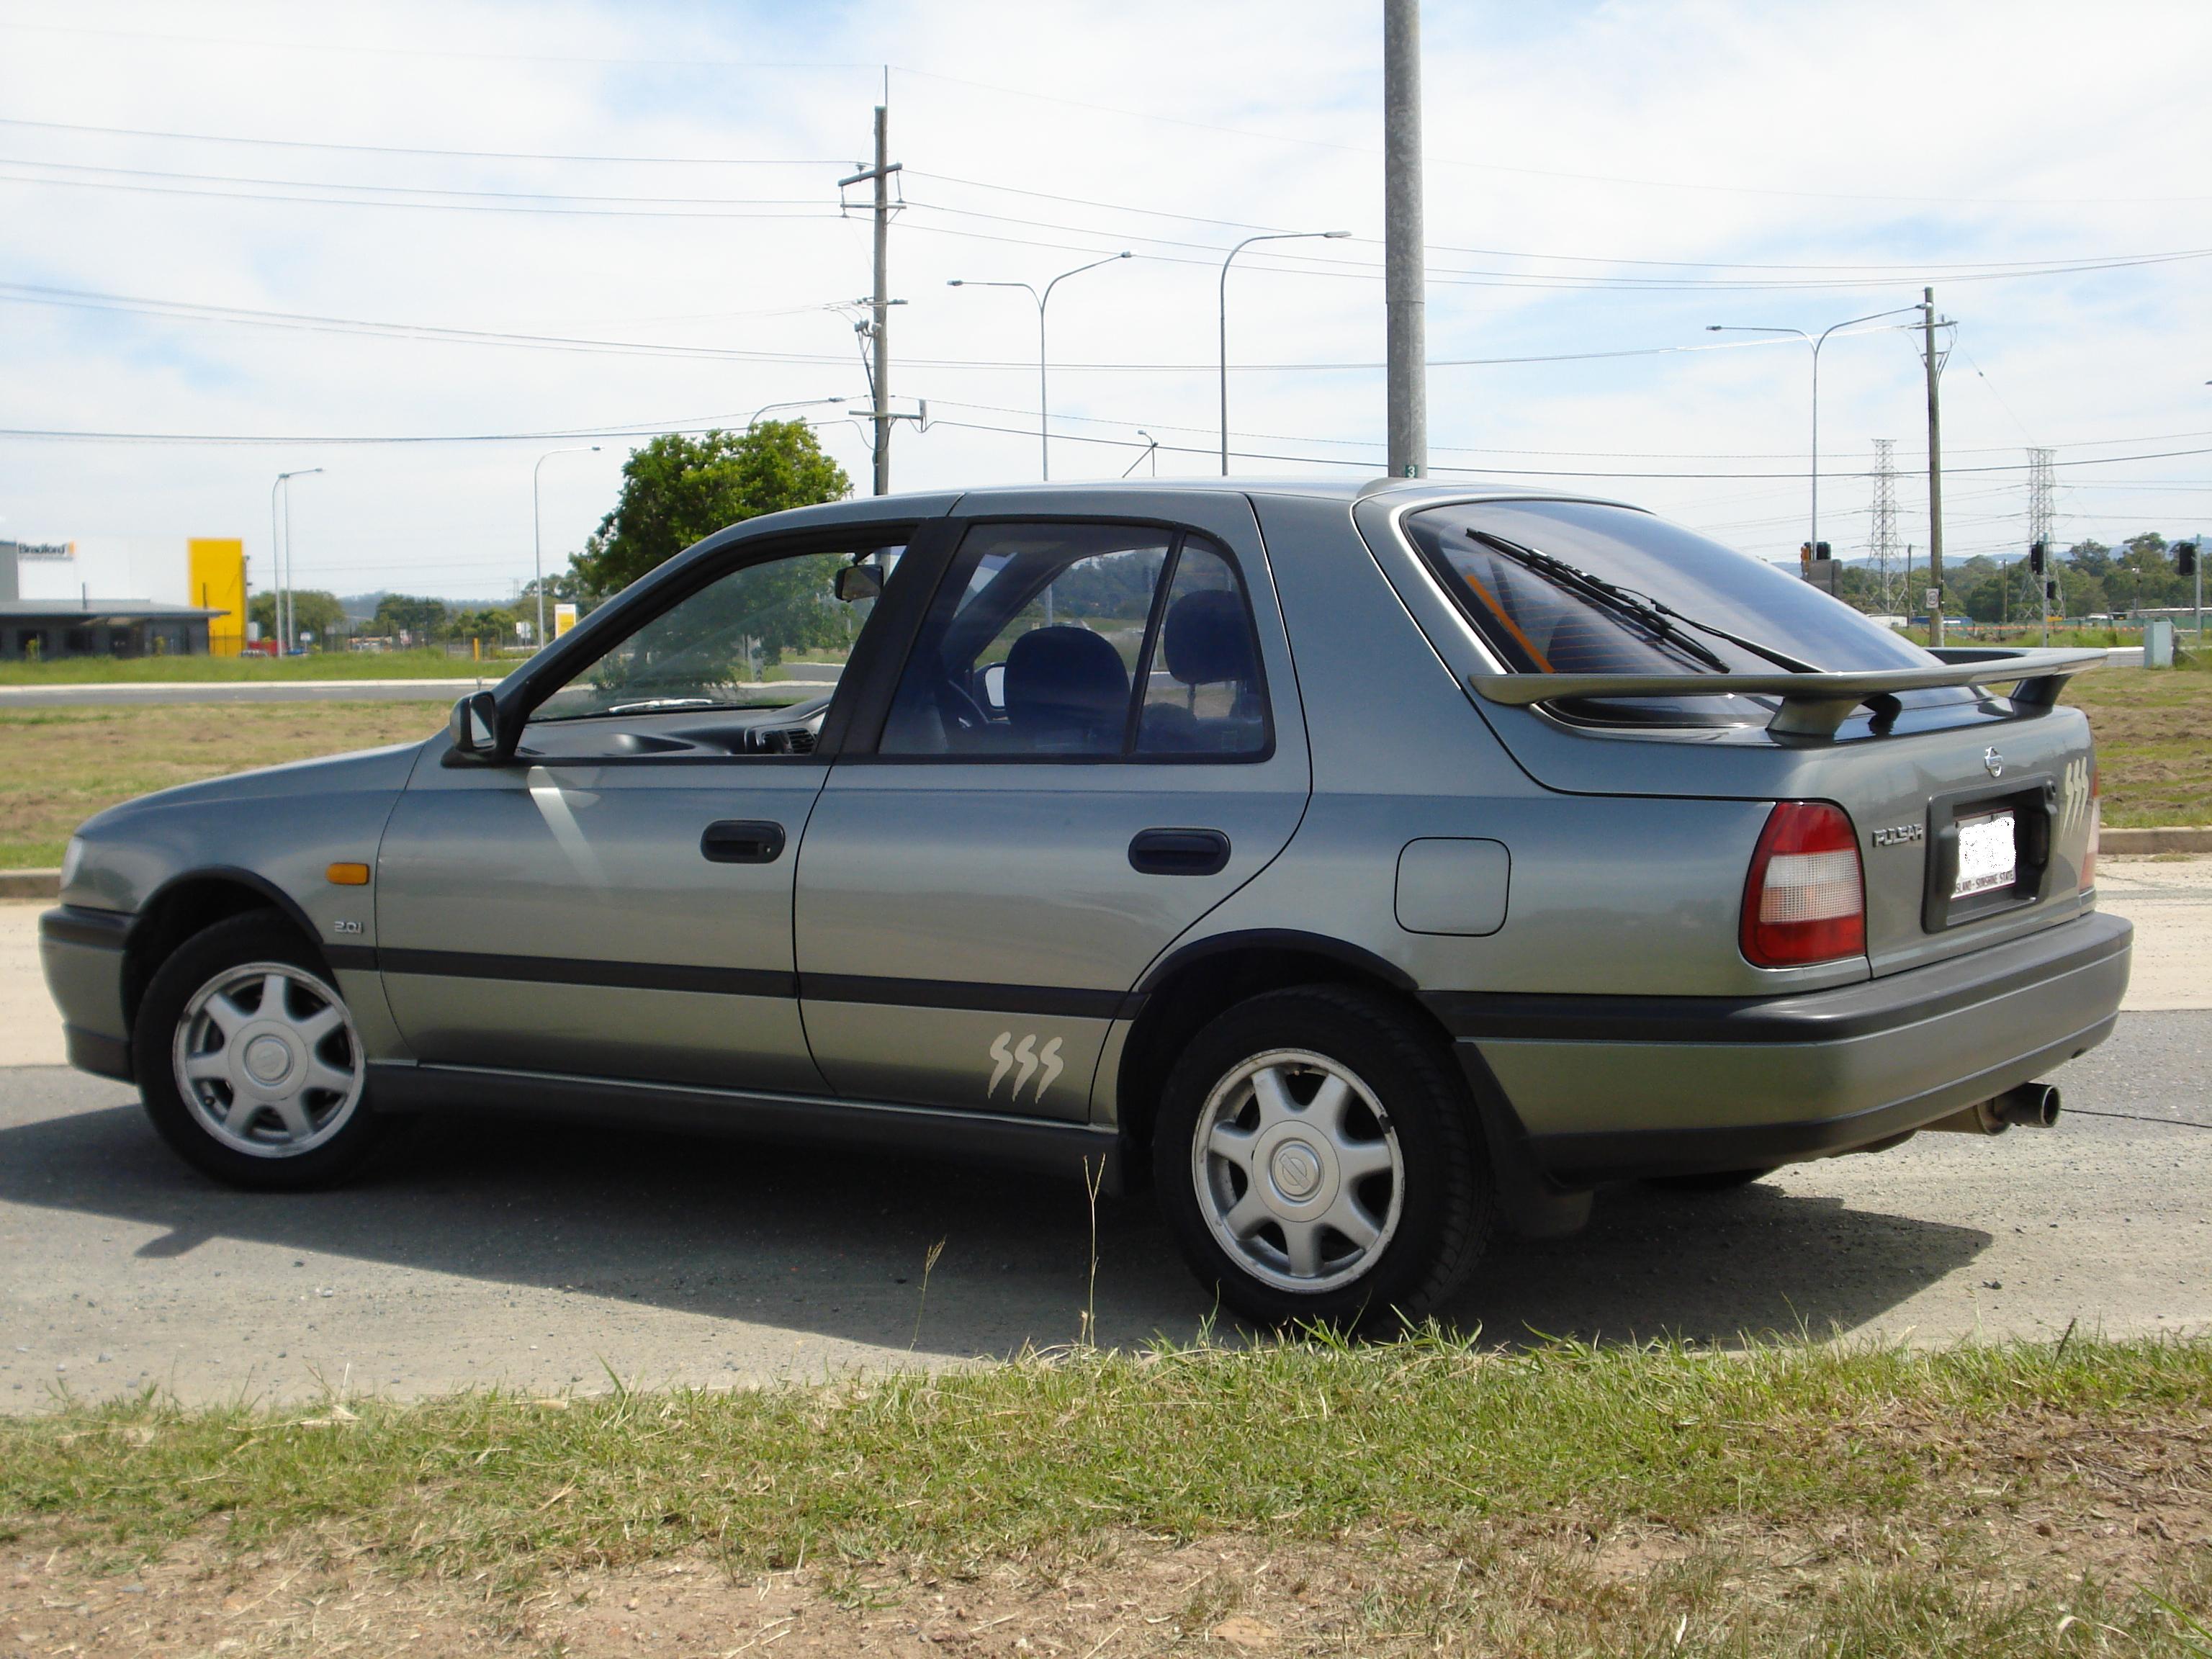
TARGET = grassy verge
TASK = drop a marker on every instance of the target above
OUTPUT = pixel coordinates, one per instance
(1988, 1499)
(66, 763)
(69, 762)
(335, 666)
(2153, 761)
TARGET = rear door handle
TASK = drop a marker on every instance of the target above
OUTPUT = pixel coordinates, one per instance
(742, 841)
(1179, 853)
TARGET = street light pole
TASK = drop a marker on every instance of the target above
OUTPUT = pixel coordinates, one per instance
(1816, 343)
(1044, 408)
(1152, 451)
(282, 560)
(1265, 236)
(537, 527)
(797, 402)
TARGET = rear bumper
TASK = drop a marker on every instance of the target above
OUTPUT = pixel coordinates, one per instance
(1606, 1088)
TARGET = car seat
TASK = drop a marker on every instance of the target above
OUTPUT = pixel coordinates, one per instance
(1205, 640)
(1066, 691)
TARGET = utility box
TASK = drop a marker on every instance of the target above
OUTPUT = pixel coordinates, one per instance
(2157, 643)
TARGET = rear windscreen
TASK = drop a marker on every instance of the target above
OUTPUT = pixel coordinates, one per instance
(1501, 563)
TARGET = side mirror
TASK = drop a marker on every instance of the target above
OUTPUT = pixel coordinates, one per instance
(856, 582)
(474, 726)
(994, 688)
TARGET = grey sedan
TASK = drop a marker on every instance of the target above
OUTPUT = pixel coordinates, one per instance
(1364, 870)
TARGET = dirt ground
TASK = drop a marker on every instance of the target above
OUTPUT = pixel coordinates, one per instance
(2047, 1521)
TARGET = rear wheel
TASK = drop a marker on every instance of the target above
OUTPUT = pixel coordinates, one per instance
(1317, 1160)
(1716, 1181)
(248, 1062)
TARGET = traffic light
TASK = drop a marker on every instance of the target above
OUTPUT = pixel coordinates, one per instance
(2184, 558)
(2050, 591)
(2038, 557)
(1820, 550)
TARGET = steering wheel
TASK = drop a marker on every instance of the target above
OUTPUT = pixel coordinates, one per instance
(957, 708)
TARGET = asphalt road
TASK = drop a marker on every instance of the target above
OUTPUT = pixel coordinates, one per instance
(547, 1259)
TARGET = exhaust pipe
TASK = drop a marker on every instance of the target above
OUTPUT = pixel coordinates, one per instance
(2031, 1106)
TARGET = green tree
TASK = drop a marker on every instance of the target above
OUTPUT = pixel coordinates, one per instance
(313, 612)
(494, 626)
(677, 489)
(422, 619)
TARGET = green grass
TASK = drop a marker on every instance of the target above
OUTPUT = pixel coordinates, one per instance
(1293, 1439)
(335, 666)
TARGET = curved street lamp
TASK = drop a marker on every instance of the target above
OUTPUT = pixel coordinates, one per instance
(1816, 343)
(1265, 236)
(282, 560)
(1045, 438)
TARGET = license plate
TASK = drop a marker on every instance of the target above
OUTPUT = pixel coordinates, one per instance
(1987, 855)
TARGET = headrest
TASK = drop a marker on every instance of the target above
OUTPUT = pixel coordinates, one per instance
(1061, 677)
(1208, 639)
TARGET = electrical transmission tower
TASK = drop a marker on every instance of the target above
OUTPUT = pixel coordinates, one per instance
(2038, 530)
(1885, 512)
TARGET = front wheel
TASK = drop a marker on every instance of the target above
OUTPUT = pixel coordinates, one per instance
(1318, 1160)
(248, 1062)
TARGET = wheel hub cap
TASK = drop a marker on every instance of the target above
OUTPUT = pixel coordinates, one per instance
(1297, 1171)
(267, 1060)
(268, 1057)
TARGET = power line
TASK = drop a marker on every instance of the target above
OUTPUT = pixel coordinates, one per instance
(416, 149)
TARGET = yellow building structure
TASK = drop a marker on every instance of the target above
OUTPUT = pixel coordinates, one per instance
(217, 578)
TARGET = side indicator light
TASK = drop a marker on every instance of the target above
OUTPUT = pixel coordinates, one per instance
(1805, 899)
(347, 875)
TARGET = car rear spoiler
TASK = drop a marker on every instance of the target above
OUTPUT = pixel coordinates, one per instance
(1813, 705)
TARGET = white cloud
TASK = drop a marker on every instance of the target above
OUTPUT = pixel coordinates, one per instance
(1902, 139)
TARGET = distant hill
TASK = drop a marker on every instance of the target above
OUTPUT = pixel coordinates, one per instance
(361, 607)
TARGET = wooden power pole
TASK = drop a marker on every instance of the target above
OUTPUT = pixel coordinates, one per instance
(879, 340)
(1934, 467)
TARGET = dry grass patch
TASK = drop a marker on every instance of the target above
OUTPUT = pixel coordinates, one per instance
(2152, 757)
(66, 763)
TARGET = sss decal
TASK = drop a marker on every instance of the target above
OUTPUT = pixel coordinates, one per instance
(1029, 1058)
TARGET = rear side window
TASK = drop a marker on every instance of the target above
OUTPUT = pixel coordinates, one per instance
(1083, 640)
(1513, 569)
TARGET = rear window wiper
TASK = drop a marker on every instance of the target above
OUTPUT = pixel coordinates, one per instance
(1661, 620)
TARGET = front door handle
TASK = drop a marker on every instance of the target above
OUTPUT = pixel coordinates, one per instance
(742, 841)
(1179, 853)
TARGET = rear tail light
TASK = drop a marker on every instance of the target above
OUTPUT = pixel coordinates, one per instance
(1806, 898)
(2096, 828)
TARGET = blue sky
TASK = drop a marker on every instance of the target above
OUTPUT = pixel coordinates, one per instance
(1602, 179)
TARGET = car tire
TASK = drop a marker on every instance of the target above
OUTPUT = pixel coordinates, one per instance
(248, 1060)
(1367, 1213)
(1716, 1181)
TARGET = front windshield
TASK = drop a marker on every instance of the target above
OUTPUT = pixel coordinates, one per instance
(1536, 625)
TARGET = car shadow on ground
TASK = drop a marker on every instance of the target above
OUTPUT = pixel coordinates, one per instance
(833, 1244)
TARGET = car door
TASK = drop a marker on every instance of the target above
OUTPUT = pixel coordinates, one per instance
(616, 902)
(1096, 739)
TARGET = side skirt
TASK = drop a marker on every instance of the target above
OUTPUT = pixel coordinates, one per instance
(1073, 1149)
